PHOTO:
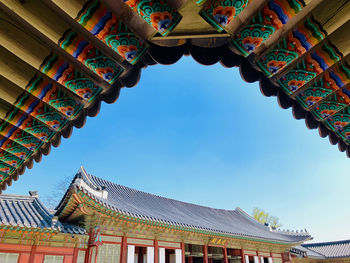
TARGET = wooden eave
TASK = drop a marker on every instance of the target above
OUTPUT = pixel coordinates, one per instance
(298, 50)
(95, 213)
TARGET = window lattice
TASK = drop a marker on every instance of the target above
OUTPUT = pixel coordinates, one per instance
(108, 253)
(53, 259)
(81, 256)
(8, 258)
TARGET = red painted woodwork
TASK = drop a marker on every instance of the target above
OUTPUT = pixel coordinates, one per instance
(183, 252)
(38, 258)
(68, 259)
(205, 254)
(75, 255)
(225, 254)
(156, 253)
(24, 258)
(243, 257)
(124, 249)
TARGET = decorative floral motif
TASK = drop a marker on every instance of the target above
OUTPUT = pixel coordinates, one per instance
(157, 13)
(272, 17)
(219, 13)
(15, 149)
(332, 105)
(65, 74)
(6, 169)
(29, 124)
(91, 57)
(106, 27)
(339, 121)
(55, 97)
(41, 111)
(319, 90)
(311, 66)
(10, 159)
(345, 132)
(296, 43)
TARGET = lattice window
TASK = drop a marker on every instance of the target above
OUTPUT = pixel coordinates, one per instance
(8, 258)
(81, 256)
(108, 253)
(53, 259)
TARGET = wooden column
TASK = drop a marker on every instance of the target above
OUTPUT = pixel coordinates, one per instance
(205, 253)
(183, 252)
(32, 254)
(75, 255)
(225, 255)
(156, 252)
(124, 249)
(242, 255)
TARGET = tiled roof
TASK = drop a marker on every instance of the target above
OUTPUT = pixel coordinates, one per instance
(303, 251)
(335, 249)
(28, 212)
(151, 207)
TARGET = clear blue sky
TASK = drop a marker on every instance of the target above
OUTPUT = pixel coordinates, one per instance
(201, 134)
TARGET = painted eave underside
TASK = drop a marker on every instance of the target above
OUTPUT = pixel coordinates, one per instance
(145, 208)
(59, 59)
(27, 213)
(334, 249)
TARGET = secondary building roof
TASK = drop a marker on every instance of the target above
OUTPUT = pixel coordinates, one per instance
(154, 208)
(79, 53)
(27, 212)
(334, 249)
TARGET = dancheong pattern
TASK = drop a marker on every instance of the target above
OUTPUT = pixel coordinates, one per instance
(312, 65)
(49, 93)
(106, 27)
(219, 13)
(10, 159)
(296, 43)
(87, 54)
(29, 124)
(157, 13)
(272, 17)
(65, 74)
(319, 90)
(331, 105)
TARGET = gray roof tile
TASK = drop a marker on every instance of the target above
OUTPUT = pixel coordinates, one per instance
(335, 249)
(29, 212)
(145, 205)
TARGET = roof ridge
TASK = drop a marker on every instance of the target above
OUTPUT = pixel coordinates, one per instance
(17, 196)
(326, 243)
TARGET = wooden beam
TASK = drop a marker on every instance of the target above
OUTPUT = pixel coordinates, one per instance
(40, 57)
(58, 31)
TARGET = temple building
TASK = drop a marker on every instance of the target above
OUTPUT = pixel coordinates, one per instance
(98, 221)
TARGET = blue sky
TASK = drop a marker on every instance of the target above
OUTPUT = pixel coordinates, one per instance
(202, 135)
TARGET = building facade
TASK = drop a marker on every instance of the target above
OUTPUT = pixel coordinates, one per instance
(98, 221)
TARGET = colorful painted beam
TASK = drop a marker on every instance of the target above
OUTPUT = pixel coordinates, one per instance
(272, 17)
(104, 25)
(157, 13)
(42, 18)
(220, 13)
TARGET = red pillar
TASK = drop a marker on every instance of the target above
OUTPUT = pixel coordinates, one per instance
(32, 254)
(75, 255)
(124, 249)
(225, 255)
(183, 252)
(243, 257)
(156, 252)
(205, 254)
